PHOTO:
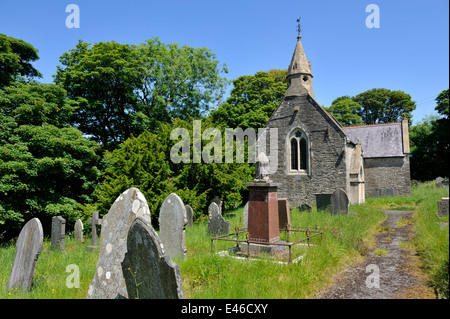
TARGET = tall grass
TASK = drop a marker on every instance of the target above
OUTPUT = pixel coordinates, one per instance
(346, 238)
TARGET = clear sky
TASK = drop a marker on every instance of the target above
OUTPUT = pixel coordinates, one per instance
(408, 52)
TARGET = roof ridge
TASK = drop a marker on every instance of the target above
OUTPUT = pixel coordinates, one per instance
(366, 125)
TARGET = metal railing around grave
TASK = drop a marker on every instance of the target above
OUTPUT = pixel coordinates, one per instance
(309, 233)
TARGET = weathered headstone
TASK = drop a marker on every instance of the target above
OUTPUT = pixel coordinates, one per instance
(339, 202)
(439, 181)
(94, 221)
(108, 280)
(172, 226)
(216, 224)
(148, 271)
(219, 203)
(78, 230)
(189, 215)
(246, 215)
(58, 233)
(443, 207)
(28, 249)
(284, 215)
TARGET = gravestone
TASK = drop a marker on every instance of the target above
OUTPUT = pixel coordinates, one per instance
(108, 280)
(189, 215)
(217, 225)
(219, 203)
(58, 233)
(147, 263)
(439, 181)
(28, 249)
(246, 215)
(78, 230)
(323, 201)
(284, 215)
(339, 202)
(172, 226)
(443, 207)
(94, 221)
(305, 208)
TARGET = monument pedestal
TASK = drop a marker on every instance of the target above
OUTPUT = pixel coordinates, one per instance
(263, 221)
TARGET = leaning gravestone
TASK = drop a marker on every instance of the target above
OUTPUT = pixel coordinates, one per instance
(148, 271)
(58, 233)
(78, 230)
(216, 224)
(339, 202)
(172, 226)
(189, 215)
(108, 280)
(28, 249)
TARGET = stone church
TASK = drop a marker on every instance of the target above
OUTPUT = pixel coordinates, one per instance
(317, 155)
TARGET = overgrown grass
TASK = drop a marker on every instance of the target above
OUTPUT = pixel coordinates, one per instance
(206, 275)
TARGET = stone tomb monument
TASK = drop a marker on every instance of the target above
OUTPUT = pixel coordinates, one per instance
(246, 215)
(94, 221)
(78, 230)
(146, 262)
(58, 233)
(172, 226)
(219, 203)
(108, 280)
(339, 202)
(28, 249)
(217, 225)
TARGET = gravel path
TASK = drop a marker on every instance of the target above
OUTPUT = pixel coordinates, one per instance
(399, 270)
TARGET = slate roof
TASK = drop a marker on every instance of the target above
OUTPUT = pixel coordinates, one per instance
(378, 140)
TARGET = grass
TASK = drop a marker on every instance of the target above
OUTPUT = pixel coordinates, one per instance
(346, 238)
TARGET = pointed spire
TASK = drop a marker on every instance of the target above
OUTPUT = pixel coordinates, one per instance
(299, 75)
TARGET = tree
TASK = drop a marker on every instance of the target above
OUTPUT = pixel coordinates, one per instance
(430, 143)
(123, 89)
(384, 106)
(253, 100)
(15, 58)
(144, 162)
(177, 82)
(102, 78)
(47, 168)
(345, 110)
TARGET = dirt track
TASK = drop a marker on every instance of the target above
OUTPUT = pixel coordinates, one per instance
(399, 270)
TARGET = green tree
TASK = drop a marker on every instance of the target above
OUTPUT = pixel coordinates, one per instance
(345, 110)
(102, 78)
(47, 168)
(253, 100)
(124, 89)
(177, 82)
(384, 106)
(15, 60)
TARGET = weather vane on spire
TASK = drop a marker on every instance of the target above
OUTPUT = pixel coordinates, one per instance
(299, 28)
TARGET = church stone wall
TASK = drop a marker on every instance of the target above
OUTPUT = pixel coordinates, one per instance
(387, 176)
(327, 163)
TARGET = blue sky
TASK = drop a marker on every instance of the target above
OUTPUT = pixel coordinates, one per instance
(409, 52)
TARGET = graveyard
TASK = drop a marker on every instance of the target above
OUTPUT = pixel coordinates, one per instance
(346, 239)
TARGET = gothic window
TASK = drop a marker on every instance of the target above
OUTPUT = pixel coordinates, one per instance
(298, 152)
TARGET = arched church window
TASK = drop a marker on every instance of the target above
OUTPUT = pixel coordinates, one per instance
(298, 152)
